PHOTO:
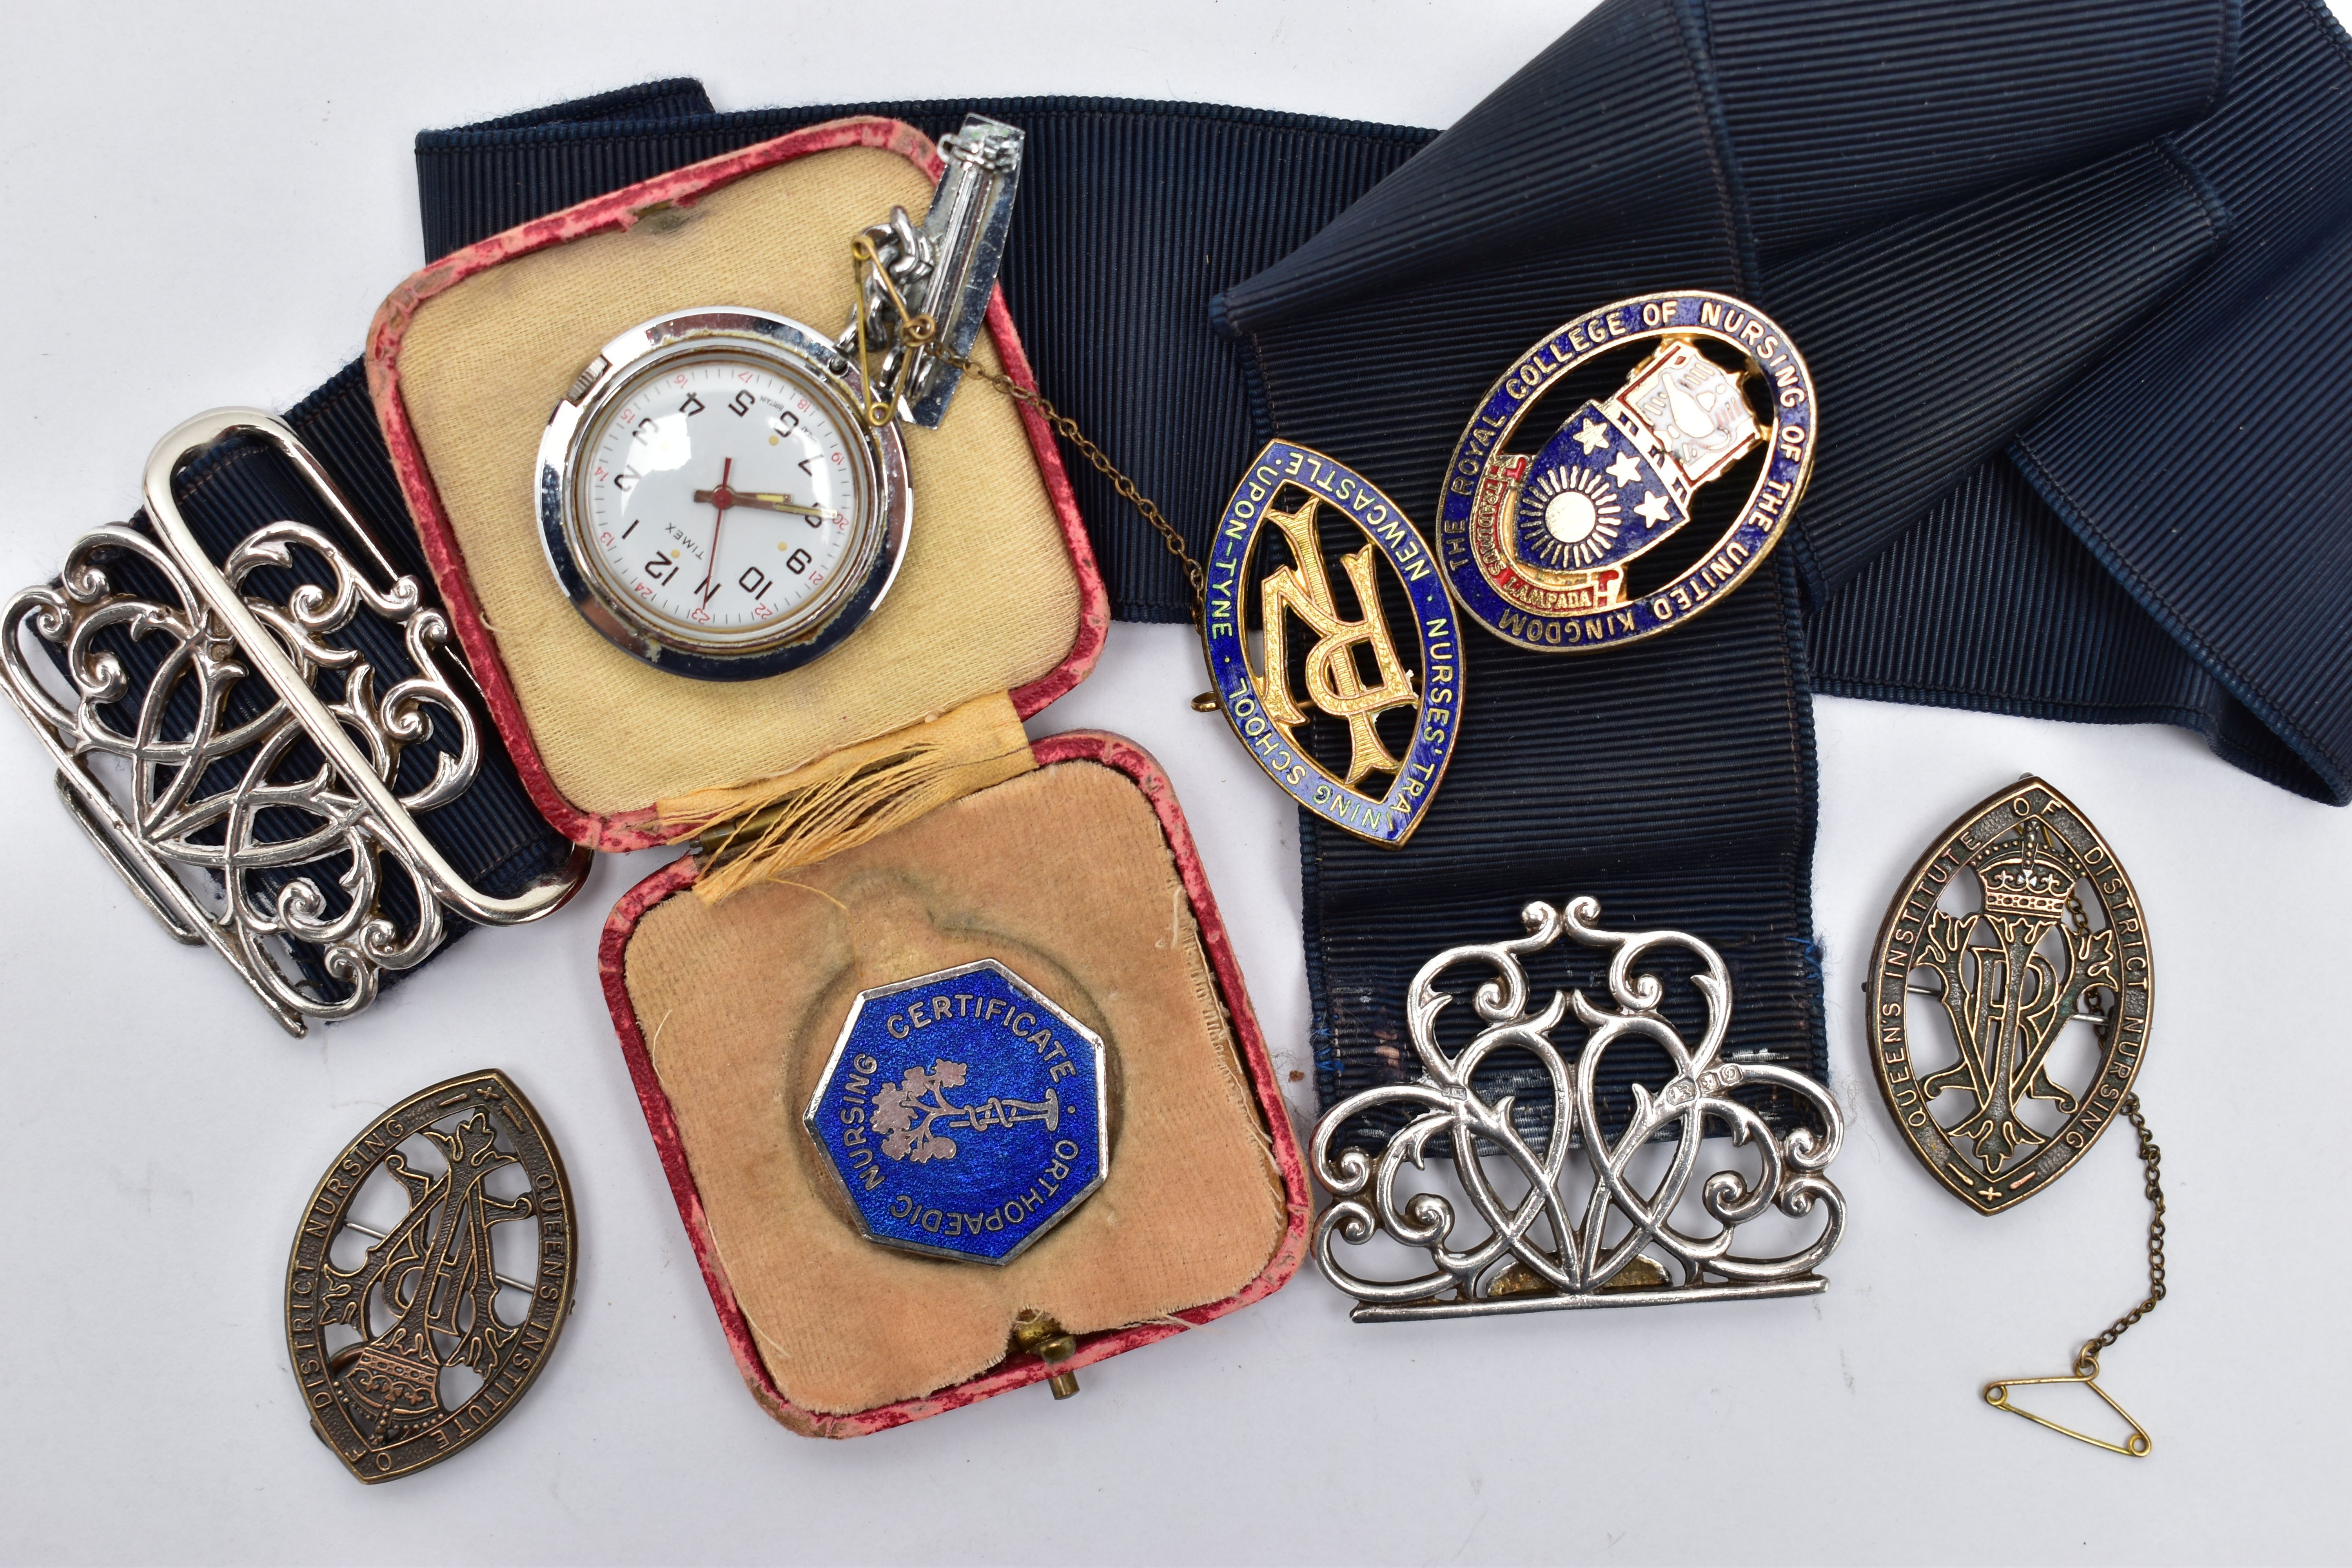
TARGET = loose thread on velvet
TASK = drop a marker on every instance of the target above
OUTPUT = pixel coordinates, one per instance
(652, 1041)
(792, 820)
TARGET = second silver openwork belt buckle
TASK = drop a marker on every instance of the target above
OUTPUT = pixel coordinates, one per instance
(1603, 1205)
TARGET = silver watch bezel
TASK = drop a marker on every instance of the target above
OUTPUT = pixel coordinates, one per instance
(884, 508)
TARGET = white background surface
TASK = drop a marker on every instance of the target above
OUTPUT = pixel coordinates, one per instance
(204, 206)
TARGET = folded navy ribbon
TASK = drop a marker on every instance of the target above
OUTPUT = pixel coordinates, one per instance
(2024, 250)
(2163, 537)
(2031, 257)
(2007, 243)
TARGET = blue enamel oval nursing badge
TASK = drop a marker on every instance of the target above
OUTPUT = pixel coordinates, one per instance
(1323, 624)
(965, 1114)
(1540, 546)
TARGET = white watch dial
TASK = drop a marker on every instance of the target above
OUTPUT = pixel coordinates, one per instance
(719, 494)
(712, 500)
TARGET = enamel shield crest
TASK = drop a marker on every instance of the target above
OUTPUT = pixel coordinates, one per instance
(1541, 547)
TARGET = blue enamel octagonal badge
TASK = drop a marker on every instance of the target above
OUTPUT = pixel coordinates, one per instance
(965, 1114)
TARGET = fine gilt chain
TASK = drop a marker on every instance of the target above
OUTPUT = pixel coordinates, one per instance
(920, 329)
(2153, 1158)
(2086, 1360)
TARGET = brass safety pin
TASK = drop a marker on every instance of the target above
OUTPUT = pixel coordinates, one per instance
(2086, 1373)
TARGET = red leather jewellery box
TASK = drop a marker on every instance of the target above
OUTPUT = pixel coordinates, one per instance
(870, 816)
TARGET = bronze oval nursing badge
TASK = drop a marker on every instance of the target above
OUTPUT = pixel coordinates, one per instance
(2023, 937)
(431, 1276)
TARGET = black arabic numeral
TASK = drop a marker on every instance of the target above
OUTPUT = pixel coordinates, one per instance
(741, 404)
(786, 423)
(624, 480)
(661, 569)
(798, 561)
(753, 582)
(808, 467)
(631, 528)
(691, 407)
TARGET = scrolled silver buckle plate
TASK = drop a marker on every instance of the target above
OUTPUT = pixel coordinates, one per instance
(1611, 1228)
(183, 783)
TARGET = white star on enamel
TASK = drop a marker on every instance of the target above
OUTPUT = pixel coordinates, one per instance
(1625, 470)
(1653, 507)
(1592, 436)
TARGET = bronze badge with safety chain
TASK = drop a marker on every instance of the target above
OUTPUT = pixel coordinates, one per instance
(2021, 925)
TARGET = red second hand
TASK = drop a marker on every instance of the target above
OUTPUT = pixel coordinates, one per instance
(721, 499)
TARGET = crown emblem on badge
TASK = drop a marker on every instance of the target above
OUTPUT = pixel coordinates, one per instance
(2025, 885)
(2000, 1111)
(1351, 665)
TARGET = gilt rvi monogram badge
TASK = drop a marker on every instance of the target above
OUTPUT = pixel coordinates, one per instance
(1540, 547)
(1338, 668)
(431, 1276)
(2009, 995)
(965, 1114)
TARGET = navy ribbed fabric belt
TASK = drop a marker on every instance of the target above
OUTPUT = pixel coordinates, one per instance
(2025, 251)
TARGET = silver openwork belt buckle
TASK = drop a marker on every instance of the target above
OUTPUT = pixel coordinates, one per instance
(1594, 1209)
(203, 791)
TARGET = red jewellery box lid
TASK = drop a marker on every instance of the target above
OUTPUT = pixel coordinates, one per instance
(622, 210)
(1017, 1370)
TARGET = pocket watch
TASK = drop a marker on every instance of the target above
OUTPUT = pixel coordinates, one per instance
(714, 502)
(723, 492)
